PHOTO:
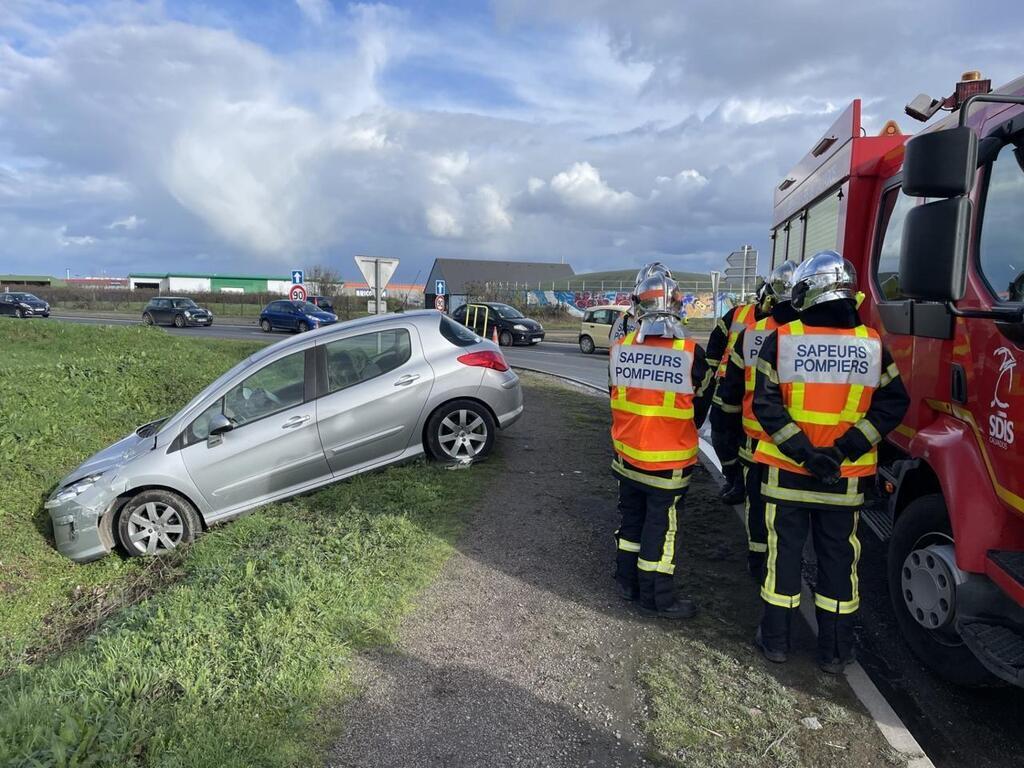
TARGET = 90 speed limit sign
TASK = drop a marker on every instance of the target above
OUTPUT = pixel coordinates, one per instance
(297, 293)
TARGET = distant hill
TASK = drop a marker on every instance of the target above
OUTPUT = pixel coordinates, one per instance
(613, 278)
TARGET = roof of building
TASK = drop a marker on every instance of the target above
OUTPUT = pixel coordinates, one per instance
(26, 279)
(165, 275)
(460, 273)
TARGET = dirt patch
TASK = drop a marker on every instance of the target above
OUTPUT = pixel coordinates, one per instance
(521, 653)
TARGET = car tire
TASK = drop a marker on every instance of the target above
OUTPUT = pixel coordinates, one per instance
(265, 326)
(155, 523)
(587, 346)
(147, 318)
(179, 321)
(303, 326)
(19, 313)
(924, 521)
(505, 339)
(460, 430)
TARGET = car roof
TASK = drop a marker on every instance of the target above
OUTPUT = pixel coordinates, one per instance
(607, 306)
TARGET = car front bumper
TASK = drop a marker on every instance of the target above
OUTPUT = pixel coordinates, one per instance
(198, 321)
(37, 312)
(77, 528)
(527, 337)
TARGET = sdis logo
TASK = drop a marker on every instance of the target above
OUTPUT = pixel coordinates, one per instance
(1000, 427)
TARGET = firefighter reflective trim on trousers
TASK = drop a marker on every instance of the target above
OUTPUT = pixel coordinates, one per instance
(891, 372)
(851, 496)
(629, 546)
(677, 482)
(655, 456)
(768, 593)
(668, 548)
(867, 429)
(753, 546)
(746, 449)
(832, 605)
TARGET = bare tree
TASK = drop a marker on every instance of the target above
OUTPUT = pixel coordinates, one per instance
(327, 280)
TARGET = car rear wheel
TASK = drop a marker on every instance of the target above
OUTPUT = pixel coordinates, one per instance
(303, 326)
(922, 588)
(462, 430)
(265, 326)
(147, 318)
(505, 339)
(156, 522)
(179, 321)
(586, 345)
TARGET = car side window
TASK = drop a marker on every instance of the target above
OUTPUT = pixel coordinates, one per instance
(1001, 247)
(603, 317)
(588, 317)
(274, 387)
(199, 429)
(361, 358)
(895, 207)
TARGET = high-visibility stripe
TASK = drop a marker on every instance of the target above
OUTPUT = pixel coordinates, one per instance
(867, 429)
(836, 606)
(674, 483)
(751, 425)
(785, 434)
(851, 497)
(726, 407)
(629, 546)
(620, 403)
(740, 322)
(755, 546)
(764, 367)
(891, 372)
(771, 451)
(655, 456)
(768, 593)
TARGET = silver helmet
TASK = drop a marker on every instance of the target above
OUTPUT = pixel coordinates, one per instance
(648, 270)
(826, 276)
(780, 282)
(659, 306)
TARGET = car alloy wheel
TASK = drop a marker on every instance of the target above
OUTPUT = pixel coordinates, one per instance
(179, 321)
(462, 434)
(303, 326)
(156, 522)
(586, 345)
(265, 326)
(147, 319)
(19, 313)
(505, 339)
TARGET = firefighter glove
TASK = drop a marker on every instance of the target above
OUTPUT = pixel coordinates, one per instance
(823, 465)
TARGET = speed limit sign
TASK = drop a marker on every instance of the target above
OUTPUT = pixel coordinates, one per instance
(297, 293)
(439, 303)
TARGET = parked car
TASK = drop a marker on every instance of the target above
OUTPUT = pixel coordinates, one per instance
(23, 305)
(288, 315)
(303, 413)
(512, 325)
(323, 302)
(177, 311)
(596, 327)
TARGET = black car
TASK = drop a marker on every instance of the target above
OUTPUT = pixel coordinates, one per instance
(177, 311)
(23, 305)
(513, 326)
(323, 302)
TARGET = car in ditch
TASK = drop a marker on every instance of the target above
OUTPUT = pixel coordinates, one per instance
(308, 411)
(19, 304)
(179, 311)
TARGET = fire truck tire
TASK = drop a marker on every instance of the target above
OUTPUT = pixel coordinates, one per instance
(925, 521)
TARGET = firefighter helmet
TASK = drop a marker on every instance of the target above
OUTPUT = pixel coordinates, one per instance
(780, 282)
(647, 270)
(826, 276)
(659, 307)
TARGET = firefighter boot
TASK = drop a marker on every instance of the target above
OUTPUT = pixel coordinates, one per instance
(734, 490)
(680, 608)
(772, 637)
(835, 641)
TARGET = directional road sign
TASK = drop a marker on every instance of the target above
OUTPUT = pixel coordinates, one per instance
(298, 277)
(377, 272)
(738, 271)
(746, 257)
(440, 288)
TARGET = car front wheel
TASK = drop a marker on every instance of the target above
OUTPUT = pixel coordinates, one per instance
(19, 313)
(462, 430)
(303, 326)
(505, 339)
(265, 326)
(179, 321)
(156, 522)
(586, 345)
(147, 319)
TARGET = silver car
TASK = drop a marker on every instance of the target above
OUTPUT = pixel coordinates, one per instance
(305, 412)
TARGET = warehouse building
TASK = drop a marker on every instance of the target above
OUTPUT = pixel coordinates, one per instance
(464, 278)
(187, 283)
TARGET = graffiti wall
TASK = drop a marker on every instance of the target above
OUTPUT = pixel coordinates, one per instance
(697, 304)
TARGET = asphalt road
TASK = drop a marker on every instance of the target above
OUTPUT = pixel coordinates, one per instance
(956, 727)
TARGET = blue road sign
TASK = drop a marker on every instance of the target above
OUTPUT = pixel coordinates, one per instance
(440, 288)
(298, 277)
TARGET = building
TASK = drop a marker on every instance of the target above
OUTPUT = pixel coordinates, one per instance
(464, 278)
(406, 293)
(28, 281)
(188, 283)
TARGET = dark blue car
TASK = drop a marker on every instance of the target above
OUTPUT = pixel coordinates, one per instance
(298, 316)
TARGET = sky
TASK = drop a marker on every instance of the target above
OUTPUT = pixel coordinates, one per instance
(253, 136)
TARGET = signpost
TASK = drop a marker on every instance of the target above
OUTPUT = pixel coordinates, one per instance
(439, 302)
(741, 271)
(297, 293)
(298, 277)
(377, 271)
(715, 279)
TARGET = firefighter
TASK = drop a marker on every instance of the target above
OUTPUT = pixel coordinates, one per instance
(826, 392)
(658, 383)
(732, 414)
(626, 321)
(720, 345)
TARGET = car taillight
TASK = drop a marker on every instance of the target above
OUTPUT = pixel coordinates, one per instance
(485, 359)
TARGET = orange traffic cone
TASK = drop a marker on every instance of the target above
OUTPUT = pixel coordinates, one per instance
(494, 335)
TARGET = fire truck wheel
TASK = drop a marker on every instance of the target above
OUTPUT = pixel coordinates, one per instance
(918, 575)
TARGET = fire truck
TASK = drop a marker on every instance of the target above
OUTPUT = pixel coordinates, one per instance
(934, 225)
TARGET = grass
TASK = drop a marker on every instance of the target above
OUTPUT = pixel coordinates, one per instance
(225, 653)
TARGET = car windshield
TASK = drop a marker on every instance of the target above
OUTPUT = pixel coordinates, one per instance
(23, 297)
(305, 306)
(184, 304)
(507, 312)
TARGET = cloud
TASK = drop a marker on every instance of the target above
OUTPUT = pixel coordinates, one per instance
(128, 223)
(316, 11)
(581, 186)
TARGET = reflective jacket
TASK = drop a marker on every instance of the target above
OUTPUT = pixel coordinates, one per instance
(726, 331)
(657, 402)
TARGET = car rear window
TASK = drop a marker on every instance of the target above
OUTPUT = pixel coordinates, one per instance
(457, 334)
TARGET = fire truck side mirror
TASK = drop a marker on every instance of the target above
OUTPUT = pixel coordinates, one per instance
(933, 253)
(941, 163)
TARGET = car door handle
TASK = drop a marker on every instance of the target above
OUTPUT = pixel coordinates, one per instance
(409, 378)
(295, 421)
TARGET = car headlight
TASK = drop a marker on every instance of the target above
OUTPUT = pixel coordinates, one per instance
(520, 327)
(74, 489)
(188, 313)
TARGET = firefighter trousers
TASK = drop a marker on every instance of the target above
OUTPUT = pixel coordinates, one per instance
(757, 530)
(647, 542)
(836, 595)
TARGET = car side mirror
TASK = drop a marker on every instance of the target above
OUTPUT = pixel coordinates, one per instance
(933, 254)
(941, 163)
(219, 424)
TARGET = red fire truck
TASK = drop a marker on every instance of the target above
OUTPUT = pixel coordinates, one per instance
(934, 225)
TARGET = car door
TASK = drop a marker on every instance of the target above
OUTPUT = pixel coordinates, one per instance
(602, 326)
(163, 311)
(274, 448)
(6, 306)
(373, 388)
(587, 326)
